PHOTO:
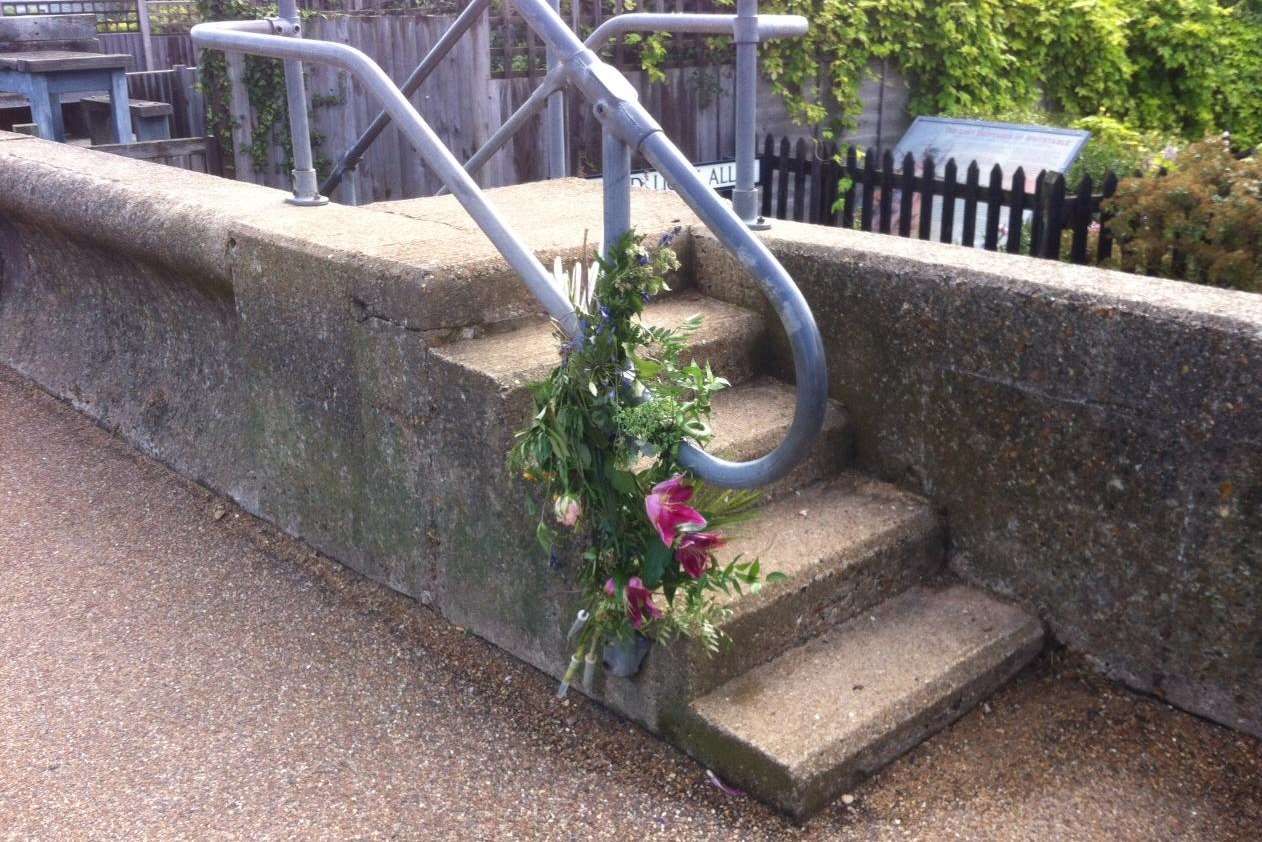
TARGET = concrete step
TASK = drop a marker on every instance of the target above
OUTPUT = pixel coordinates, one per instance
(810, 724)
(729, 338)
(752, 419)
(844, 545)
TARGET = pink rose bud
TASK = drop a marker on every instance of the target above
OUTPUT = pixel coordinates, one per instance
(567, 510)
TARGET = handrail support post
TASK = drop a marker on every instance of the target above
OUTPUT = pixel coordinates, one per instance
(615, 164)
(305, 186)
(556, 140)
(745, 195)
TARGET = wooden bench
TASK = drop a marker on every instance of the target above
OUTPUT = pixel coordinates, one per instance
(149, 120)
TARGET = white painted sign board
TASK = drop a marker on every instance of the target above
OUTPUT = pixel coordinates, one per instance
(720, 175)
(1032, 148)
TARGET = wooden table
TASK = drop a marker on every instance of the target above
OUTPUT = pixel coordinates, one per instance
(42, 77)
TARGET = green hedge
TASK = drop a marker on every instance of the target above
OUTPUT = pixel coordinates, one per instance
(1184, 67)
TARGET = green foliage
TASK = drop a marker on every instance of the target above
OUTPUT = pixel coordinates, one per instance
(1117, 148)
(264, 81)
(608, 425)
(1208, 212)
(1180, 67)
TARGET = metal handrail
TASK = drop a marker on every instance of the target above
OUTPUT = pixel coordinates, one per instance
(747, 27)
(626, 125)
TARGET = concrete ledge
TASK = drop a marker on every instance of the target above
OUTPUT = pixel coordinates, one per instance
(1094, 438)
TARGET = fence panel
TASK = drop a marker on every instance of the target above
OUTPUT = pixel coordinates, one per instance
(1043, 217)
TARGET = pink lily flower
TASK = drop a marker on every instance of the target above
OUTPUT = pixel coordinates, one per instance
(666, 510)
(694, 550)
(639, 600)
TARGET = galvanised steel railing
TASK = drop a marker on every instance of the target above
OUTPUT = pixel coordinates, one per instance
(625, 126)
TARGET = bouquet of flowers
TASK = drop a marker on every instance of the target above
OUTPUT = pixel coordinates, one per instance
(604, 446)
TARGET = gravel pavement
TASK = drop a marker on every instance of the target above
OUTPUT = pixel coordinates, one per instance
(171, 668)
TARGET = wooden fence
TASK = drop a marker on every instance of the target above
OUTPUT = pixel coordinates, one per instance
(153, 32)
(179, 87)
(464, 102)
(1038, 214)
(200, 154)
(516, 51)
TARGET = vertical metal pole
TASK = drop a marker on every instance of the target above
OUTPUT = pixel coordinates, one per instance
(306, 191)
(350, 186)
(557, 163)
(745, 194)
(616, 175)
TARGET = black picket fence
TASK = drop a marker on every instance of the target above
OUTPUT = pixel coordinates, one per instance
(804, 182)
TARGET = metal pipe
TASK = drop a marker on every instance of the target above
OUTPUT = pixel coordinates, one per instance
(617, 106)
(528, 109)
(417, 78)
(744, 193)
(627, 123)
(769, 26)
(556, 116)
(374, 80)
(809, 366)
(615, 167)
(306, 192)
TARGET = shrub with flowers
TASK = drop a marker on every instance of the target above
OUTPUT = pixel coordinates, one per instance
(604, 447)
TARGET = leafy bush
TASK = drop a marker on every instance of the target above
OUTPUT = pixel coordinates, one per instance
(1202, 222)
(1116, 147)
(1181, 67)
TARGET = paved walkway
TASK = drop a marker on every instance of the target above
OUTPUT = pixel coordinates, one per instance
(170, 668)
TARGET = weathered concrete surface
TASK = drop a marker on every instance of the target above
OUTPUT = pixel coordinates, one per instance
(812, 723)
(285, 356)
(1093, 438)
(173, 668)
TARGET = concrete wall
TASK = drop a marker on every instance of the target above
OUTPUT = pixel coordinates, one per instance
(288, 357)
(1093, 440)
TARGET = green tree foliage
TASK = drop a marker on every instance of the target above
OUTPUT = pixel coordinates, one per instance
(1198, 223)
(1174, 66)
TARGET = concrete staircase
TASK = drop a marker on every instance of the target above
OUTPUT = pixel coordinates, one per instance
(864, 650)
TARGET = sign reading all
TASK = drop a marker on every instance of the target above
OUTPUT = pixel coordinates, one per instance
(720, 175)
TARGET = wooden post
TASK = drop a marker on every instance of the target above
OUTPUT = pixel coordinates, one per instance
(242, 118)
(907, 195)
(1016, 212)
(799, 181)
(1105, 246)
(887, 191)
(994, 208)
(970, 205)
(765, 167)
(782, 195)
(1081, 221)
(852, 172)
(947, 234)
(146, 38)
(925, 228)
(1054, 221)
(869, 189)
(182, 118)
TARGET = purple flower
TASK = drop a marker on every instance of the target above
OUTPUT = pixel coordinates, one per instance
(666, 510)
